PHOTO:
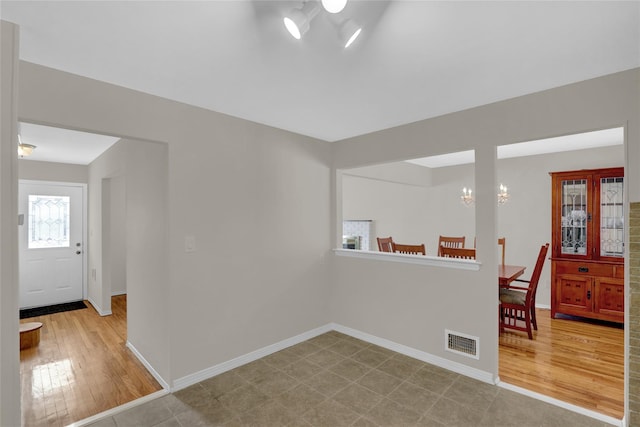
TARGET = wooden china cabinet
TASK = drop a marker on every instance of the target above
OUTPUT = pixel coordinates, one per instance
(587, 254)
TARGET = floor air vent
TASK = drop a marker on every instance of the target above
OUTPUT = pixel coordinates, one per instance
(463, 344)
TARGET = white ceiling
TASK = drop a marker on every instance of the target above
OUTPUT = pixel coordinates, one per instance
(579, 141)
(414, 59)
(63, 145)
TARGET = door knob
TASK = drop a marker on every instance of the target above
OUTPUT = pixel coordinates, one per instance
(78, 252)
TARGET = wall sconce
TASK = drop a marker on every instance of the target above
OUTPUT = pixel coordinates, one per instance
(503, 194)
(467, 199)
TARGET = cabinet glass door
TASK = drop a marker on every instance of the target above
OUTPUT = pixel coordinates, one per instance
(574, 217)
(611, 217)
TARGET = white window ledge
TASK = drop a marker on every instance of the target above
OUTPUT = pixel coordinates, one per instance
(459, 264)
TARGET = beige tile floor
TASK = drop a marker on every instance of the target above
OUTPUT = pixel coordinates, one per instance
(336, 380)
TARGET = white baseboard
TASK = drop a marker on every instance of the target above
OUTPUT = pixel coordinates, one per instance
(564, 405)
(543, 306)
(220, 368)
(147, 365)
(116, 293)
(99, 309)
(468, 371)
(207, 373)
(113, 411)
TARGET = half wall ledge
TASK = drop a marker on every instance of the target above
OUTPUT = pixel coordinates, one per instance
(455, 263)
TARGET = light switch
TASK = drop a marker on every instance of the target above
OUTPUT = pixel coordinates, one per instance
(189, 244)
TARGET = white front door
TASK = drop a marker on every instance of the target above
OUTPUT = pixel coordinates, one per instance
(50, 243)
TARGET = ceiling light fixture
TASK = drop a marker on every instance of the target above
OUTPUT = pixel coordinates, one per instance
(334, 6)
(349, 32)
(24, 150)
(298, 21)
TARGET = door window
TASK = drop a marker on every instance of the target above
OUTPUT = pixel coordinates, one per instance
(48, 221)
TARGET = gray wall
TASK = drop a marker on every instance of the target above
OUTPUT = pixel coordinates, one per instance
(117, 234)
(117, 183)
(111, 164)
(255, 198)
(425, 300)
(48, 171)
(9, 341)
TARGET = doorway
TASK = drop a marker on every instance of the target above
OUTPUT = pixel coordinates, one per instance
(52, 236)
(100, 335)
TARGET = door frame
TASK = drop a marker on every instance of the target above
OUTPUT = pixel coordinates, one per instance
(85, 245)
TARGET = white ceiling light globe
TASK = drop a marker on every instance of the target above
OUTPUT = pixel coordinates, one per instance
(334, 6)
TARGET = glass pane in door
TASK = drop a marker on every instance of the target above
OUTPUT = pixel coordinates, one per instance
(611, 217)
(574, 217)
(48, 221)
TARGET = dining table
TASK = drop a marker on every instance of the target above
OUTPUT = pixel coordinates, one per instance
(508, 273)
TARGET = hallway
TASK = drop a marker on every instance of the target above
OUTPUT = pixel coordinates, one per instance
(81, 367)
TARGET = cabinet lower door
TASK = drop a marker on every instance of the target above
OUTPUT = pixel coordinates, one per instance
(573, 295)
(609, 299)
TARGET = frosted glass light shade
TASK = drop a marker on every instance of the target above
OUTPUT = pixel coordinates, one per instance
(25, 149)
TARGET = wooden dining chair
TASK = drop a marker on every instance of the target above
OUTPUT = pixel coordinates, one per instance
(385, 244)
(450, 242)
(462, 253)
(518, 303)
(408, 249)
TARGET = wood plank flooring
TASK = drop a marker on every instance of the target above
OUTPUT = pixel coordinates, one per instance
(578, 362)
(81, 367)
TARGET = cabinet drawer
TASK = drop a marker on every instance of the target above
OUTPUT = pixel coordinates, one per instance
(590, 269)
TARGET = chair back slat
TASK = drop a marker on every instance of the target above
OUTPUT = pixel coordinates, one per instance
(450, 242)
(462, 253)
(537, 272)
(409, 249)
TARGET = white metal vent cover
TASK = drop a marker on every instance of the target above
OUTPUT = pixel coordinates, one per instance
(463, 344)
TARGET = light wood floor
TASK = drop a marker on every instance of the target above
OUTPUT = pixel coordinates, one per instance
(81, 367)
(574, 361)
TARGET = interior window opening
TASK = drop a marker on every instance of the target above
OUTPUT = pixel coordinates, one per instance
(411, 207)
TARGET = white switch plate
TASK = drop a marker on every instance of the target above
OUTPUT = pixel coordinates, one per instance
(189, 244)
